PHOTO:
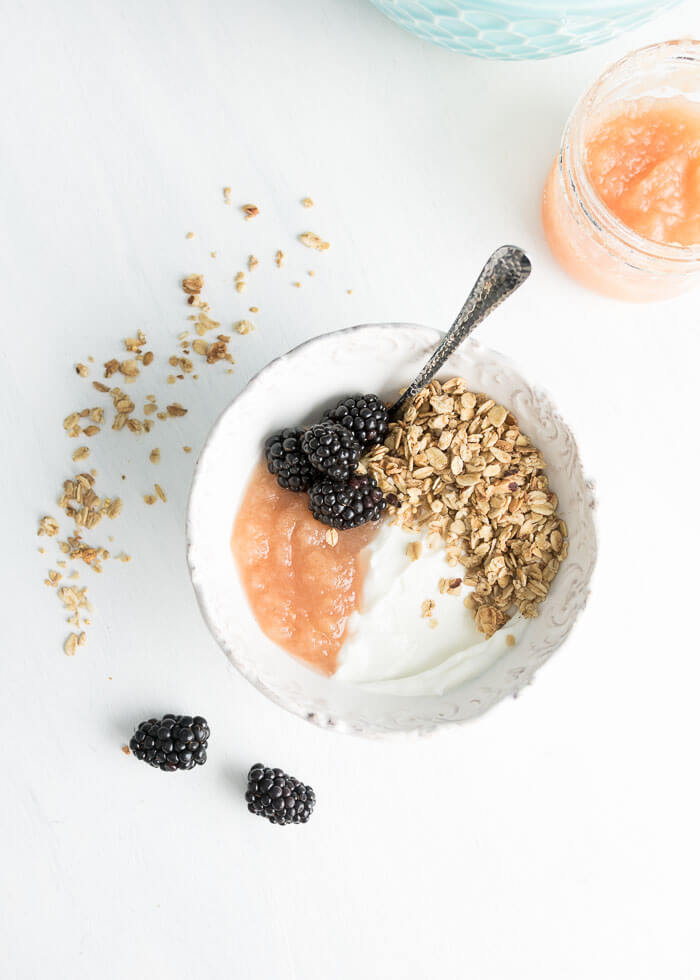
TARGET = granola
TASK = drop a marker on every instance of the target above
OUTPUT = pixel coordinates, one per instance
(461, 468)
(79, 499)
(312, 240)
(192, 285)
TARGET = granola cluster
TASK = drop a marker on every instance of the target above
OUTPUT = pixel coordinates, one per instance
(461, 468)
(203, 344)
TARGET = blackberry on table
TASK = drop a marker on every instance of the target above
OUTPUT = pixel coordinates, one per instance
(172, 742)
(366, 416)
(332, 450)
(281, 798)
(287, 461)
(356, 501)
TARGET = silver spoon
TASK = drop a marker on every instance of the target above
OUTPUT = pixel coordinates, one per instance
(506, 269)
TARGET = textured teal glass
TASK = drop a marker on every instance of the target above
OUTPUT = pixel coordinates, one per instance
(514, 30)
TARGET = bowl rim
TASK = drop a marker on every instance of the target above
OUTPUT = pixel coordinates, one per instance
(288, 704)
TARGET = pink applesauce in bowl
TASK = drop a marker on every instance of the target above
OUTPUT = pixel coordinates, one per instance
(303, 580)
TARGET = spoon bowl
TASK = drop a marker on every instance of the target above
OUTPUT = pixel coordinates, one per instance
(300, 385)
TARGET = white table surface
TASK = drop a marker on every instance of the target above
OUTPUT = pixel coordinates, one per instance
(555, 838)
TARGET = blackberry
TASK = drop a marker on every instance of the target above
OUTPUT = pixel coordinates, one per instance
(365, 416)
(349, 504)
(332, 450)
(287, 462)
(171, 742)
(277, 796)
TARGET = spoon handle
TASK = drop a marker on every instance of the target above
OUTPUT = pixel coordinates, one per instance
(506, 269)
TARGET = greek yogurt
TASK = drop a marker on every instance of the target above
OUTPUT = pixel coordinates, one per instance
(391, 647)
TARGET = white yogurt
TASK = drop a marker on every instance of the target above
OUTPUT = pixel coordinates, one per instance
(391, 647)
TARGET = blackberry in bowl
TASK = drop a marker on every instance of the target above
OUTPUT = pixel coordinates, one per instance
(349, 504)
(287, 461)
(366, 416)
(332, 450)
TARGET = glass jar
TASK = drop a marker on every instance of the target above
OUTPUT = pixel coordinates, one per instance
(591, 243)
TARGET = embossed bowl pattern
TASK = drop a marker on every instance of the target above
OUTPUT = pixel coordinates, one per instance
(517, 30)
(295, 388)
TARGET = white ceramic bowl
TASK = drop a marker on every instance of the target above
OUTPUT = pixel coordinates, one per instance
(294, 389)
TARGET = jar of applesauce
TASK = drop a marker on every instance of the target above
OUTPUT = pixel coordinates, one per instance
(621, 206)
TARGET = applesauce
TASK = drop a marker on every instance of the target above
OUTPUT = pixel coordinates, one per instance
(301, 588)
(621, 206)
(644, 163)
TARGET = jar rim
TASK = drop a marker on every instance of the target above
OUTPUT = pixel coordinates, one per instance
(573, 144)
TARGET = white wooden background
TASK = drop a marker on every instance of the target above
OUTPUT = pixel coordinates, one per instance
(557, 837)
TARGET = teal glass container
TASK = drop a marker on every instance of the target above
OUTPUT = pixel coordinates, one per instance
(517, 30)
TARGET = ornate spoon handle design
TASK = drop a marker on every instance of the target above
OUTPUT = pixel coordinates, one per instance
(506, 269)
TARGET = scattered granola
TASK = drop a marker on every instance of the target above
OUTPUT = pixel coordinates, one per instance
(129, 368)
(48, 526)
(312, 240)
(205, 323)
(74, 601)
(332, 537)
(218, 351)
(79, 499)
(134, 344)
(71, 644)
(80, 502)
(192, 285)
(461, 468)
